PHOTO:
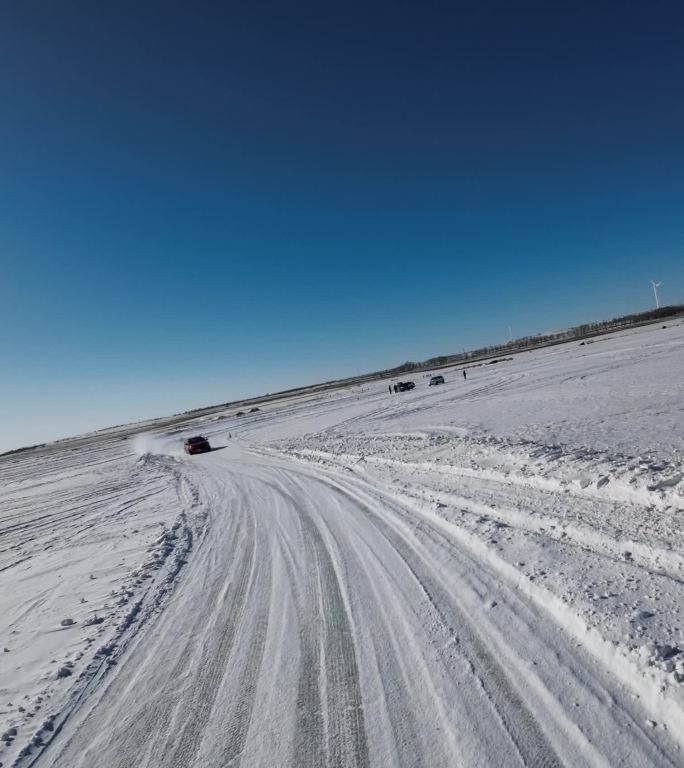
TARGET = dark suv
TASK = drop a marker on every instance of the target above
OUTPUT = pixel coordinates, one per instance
(197, 444)
(436, 380)
(405, 386)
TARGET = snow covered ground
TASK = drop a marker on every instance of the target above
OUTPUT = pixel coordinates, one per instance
(484, 573)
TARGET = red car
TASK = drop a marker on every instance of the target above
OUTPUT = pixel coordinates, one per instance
(197, 444)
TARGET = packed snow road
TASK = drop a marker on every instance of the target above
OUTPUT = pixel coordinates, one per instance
(476, 574)
(320, 622)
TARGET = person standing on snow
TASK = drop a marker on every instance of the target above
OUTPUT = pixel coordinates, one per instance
(464, 374)
(390, 389)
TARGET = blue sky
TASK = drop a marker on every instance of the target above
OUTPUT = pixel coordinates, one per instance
(199, 203)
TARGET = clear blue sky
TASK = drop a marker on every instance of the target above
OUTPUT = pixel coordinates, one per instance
(201, 201)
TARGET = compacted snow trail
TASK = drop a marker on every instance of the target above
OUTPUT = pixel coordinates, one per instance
(320, 622)
(485, 573)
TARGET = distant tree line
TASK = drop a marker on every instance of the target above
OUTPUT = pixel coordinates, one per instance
(543, 339)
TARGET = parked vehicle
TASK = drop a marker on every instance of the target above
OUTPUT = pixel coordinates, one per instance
(436, 380)
(405, 386)
(197, 444)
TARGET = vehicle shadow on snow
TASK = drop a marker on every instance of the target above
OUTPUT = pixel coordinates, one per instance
(211, 450)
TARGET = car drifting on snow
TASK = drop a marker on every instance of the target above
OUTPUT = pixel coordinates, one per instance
(436, 380)
(405, 386)
(197, 444)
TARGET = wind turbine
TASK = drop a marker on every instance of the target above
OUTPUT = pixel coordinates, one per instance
(655, 292)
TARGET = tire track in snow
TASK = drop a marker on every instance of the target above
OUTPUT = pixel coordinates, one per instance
(309, 737)
(330, 728)
(391, 669)
(639, 748)
(165, 727)
(186, 743)
(532, 745)
(240, 717)
(488, 493)
(346, 734)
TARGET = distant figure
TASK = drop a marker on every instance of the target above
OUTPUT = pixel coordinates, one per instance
(390, 389)
(464, 374)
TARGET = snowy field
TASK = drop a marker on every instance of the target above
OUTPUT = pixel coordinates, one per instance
(484, 573)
